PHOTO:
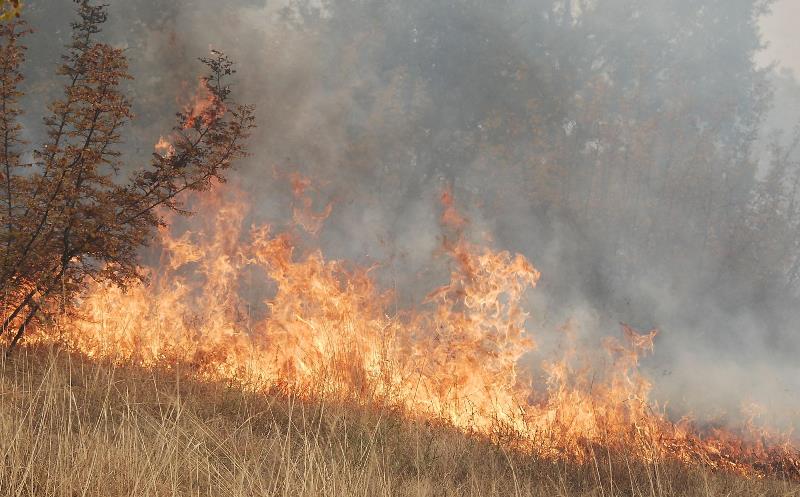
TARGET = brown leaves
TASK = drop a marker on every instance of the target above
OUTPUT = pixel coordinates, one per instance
(73, 218)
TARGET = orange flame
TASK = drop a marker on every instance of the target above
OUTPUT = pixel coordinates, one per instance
(325, 329)
(204, 106)
(304, 215)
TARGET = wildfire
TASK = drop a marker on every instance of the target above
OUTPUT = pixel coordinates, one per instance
(303, 214)
(325, 329)
(204, 105)
(164, 147)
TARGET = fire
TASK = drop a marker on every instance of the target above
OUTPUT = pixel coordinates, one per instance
(204, 105)
(303, 215)
(164, 147)
(325, 329)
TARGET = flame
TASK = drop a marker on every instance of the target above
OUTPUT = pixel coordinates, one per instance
(325, 329)
(204, 106)
(304, 215)
(164, 147)
(450, 216)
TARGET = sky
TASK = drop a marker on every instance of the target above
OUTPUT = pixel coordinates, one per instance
(782, 33)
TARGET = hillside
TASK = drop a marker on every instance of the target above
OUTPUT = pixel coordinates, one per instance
(71, 426)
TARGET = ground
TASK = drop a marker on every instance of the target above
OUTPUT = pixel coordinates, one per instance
(72, 426)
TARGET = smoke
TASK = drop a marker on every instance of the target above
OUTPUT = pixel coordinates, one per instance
(612, 142)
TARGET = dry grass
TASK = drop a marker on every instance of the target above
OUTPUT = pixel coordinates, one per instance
(69, 426)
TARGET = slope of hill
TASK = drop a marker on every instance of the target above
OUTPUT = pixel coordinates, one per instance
(71, 426)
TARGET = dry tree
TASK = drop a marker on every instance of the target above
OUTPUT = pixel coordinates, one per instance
(70, 215)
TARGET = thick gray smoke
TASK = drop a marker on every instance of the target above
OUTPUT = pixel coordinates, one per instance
(619, 144)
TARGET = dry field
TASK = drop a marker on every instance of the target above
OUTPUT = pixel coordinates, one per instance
(75, 427)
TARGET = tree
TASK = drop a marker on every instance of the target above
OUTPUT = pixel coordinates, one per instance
(80, 213)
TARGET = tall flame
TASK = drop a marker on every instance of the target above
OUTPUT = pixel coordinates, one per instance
(326, 329)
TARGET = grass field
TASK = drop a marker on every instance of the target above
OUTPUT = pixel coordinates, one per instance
(73, 427)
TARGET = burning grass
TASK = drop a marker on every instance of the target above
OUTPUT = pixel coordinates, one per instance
(73, 426)
(454, 361)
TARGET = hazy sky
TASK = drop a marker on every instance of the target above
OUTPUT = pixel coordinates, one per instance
(782, 33)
